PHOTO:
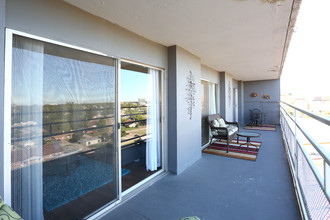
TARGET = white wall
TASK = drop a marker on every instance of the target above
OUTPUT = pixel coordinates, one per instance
(62, 22)
(210, 74)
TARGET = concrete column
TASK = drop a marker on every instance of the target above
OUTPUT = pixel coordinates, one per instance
(172, 107)
(241, 103)
(184, 129)
(222, 94)
(2, 78)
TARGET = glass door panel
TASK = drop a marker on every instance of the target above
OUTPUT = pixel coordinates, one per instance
(140, 120)
(205, 111)
(64, 160)
(235, 107)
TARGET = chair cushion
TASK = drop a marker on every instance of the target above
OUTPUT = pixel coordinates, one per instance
(232, 129)
(215, 123)
(222, 123)
(1, 202)
(8, 214)
(218, 132)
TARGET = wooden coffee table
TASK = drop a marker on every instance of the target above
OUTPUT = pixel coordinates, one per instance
(248, 136)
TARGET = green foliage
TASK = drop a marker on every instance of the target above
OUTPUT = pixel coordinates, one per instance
(123, 133)
(76, 137)
(102, 122)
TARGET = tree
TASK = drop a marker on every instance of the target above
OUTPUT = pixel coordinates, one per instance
(102, 122)
(76, 136)
(123, 133)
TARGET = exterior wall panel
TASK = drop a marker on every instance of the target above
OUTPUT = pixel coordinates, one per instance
(184, 133)
(270, 107)
(60, 21)
(188, 130)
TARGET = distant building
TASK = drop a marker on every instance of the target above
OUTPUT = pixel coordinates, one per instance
(142, 101)
(90, 141)
(63, 136)
(133, 125)
(51, 150)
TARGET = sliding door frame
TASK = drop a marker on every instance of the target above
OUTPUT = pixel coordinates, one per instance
(7, 115)
(7, 119)
(217, 97)
(146, 180)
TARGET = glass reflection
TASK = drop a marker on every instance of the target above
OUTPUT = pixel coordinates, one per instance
(63, 138)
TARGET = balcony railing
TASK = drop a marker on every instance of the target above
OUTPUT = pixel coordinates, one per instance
(51, 132)
(308, 159)
(138, 138)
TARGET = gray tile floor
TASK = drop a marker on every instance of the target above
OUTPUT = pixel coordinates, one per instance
(218, 187)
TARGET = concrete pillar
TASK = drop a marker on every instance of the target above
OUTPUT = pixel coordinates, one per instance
(222, 94)
(172, 110)
(184, 129)
(241, 103)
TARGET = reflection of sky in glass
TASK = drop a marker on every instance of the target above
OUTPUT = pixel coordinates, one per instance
(134, 85)
(27, 77)
(67, 80)
(58, 80)
(69, 76)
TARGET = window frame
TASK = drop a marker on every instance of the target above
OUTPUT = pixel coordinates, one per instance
(127, 192)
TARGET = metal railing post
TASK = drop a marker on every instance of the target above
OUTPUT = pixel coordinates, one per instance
(295, 144)
(327, 178)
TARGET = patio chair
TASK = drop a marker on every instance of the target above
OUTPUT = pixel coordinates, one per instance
(255, 116)
(222, 129)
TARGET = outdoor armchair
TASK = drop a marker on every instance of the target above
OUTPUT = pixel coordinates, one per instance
(222, 129)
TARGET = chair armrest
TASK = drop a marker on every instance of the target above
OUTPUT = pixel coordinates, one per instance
(233, 123)
(225, 130)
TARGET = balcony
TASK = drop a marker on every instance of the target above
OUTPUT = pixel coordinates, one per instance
(220, 187)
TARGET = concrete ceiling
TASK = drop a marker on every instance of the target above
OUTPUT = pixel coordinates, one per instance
(246, 38)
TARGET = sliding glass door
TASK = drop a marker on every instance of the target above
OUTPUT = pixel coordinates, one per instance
(64, 162)
(210, 100)
(205, 112)
(141, 123)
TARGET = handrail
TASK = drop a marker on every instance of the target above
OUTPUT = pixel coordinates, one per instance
(310, 114)
(138, 136)
(317, 146)
(322, 182)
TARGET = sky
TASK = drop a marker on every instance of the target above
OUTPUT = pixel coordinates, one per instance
(133, 85)
(306, 71)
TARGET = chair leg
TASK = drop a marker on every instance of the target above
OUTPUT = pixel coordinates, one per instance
(227, 146)
(208, 147)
